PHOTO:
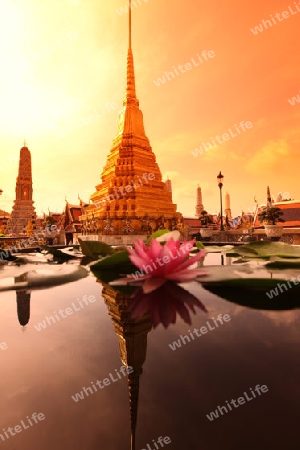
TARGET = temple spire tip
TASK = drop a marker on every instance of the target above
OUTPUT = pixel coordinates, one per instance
(129, 30)
(130, 87)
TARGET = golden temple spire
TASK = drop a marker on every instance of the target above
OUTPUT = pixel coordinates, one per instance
(130, 157)
(130, 87)
(129, 14)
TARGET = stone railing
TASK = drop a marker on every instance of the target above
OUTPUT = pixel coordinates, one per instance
(290, 235)
(126, 239)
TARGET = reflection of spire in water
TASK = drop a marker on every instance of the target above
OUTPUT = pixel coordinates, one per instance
(23, 306)
(133, 345)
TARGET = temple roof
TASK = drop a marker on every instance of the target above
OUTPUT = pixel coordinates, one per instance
(191, 222)
(4, 213)
(75, 213)
(291, 213)
(71, 217)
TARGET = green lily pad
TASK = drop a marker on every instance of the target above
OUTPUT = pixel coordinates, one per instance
(110, 275)
(265, 249)
(248, 274)
(283, 263)
(157, 234)
(114, 260)
(254, 286)
(240, 261)
(21, 261)
(198, 248)
(258, 300)
(95, 248)
(175, 235)
(219, 248)
(232, 254)
(113, 267)
(43, 278)
(86, 260)
(58, 256)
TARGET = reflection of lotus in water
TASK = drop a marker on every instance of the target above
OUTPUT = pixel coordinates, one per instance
(164, 304)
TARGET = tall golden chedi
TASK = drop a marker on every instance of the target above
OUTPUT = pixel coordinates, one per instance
(23, 209)
(132, 196)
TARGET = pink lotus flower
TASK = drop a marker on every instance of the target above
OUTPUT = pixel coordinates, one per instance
(164, 304)
(160, 263)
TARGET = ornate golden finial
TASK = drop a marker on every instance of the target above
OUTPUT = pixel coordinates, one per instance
(130, 87)
(25, 144)
(129, 13)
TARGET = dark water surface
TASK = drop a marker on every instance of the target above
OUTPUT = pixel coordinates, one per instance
(171, 391)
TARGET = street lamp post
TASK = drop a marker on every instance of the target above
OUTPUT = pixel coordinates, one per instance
(220, 184)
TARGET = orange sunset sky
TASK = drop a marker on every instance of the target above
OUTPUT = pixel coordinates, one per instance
(63, 62)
